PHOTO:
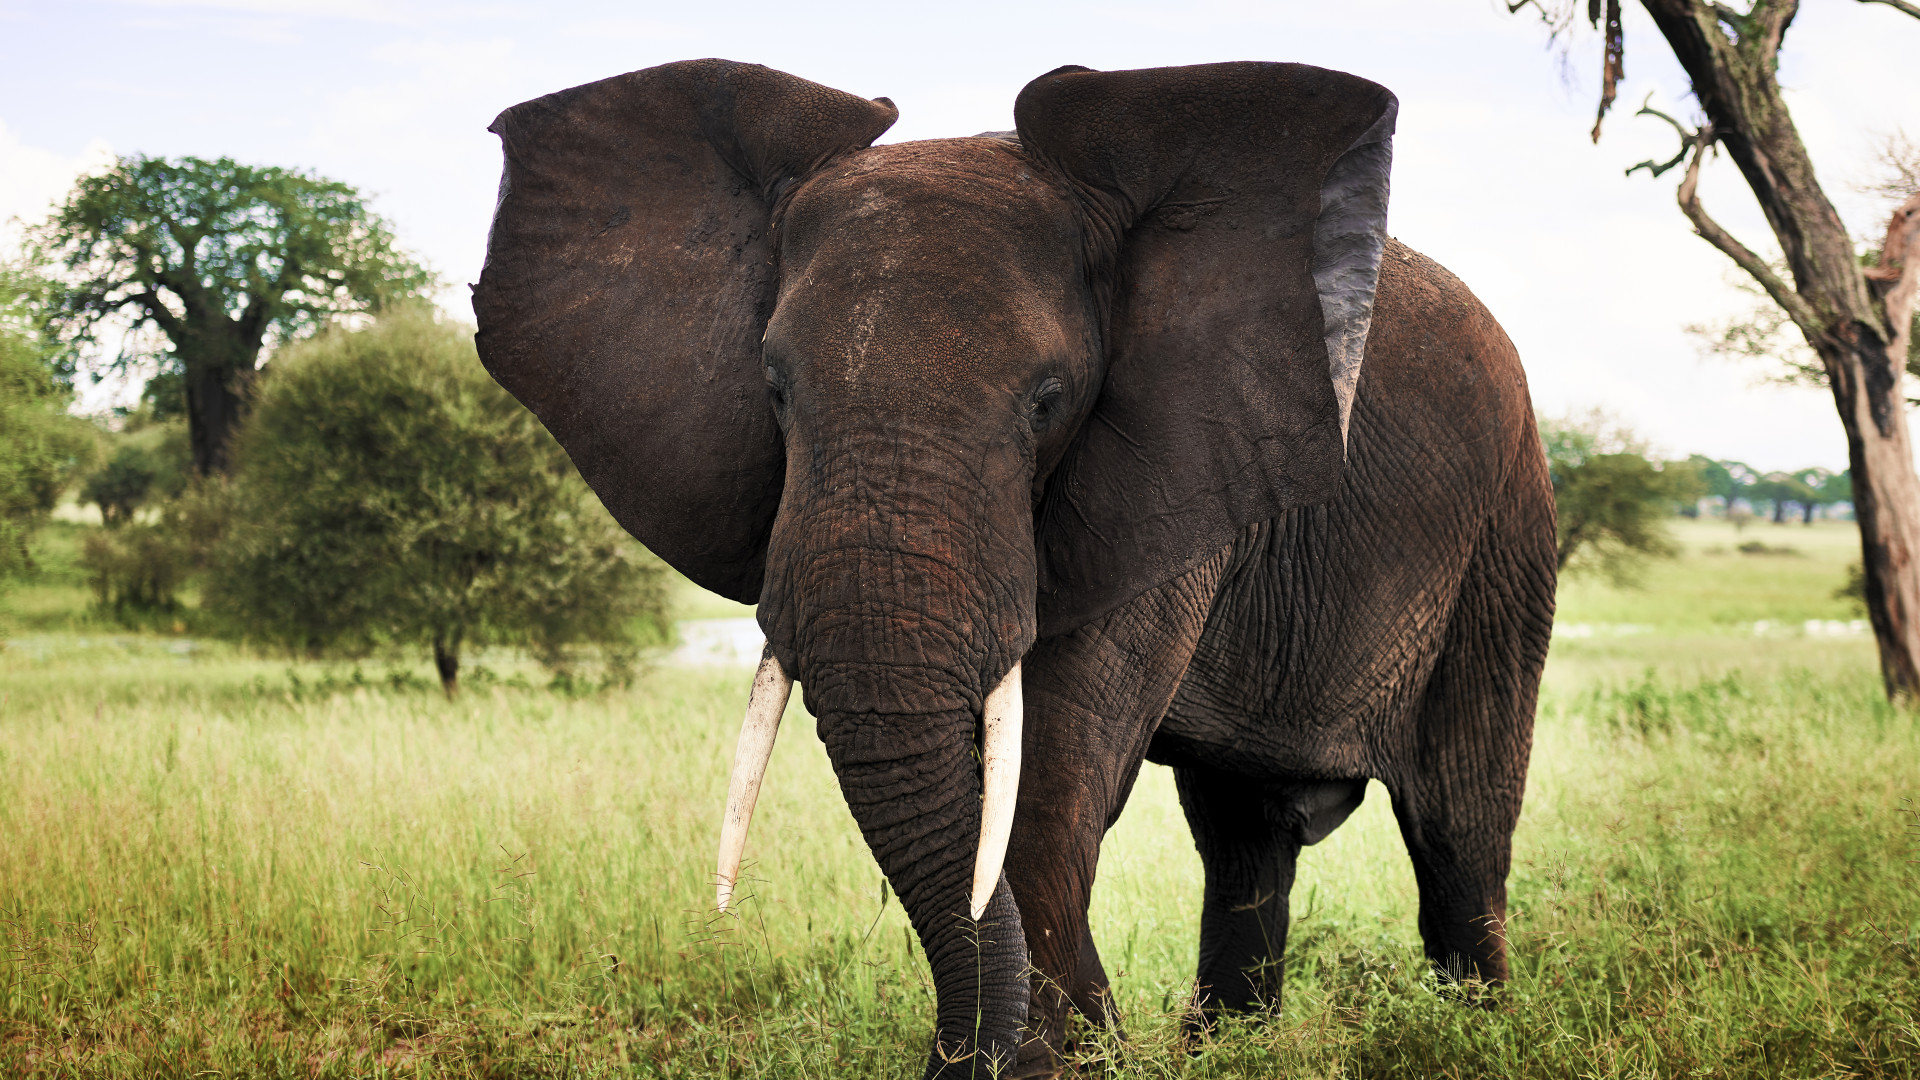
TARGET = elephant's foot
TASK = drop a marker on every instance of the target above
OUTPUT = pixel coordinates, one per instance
(1037, 1059)
(1059, 1023)
(1205, 1013)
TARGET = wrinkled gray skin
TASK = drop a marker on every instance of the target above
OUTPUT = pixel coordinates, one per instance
(1075, 399)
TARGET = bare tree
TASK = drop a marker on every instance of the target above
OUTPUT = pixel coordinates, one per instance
(1766, 333)
(1857, 319)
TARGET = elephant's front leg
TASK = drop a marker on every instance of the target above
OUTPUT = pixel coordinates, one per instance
(1094, 698)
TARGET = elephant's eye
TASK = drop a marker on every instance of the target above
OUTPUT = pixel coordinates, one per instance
(777, 392)
(1044, 406)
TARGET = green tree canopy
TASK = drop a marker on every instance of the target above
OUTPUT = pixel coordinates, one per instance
(1837, 487)
(221, 259)
(40, 445)
(389, 493)
(1611, 500)
(1780, 490)
(1729, 480)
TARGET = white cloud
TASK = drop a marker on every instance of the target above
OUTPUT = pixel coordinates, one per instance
(33, 180)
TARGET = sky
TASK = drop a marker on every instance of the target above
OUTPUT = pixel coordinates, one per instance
(1594, 275)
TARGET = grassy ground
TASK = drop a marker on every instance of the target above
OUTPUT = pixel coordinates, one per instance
(214, 864)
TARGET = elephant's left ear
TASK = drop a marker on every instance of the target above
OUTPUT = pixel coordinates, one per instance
(1245, 207)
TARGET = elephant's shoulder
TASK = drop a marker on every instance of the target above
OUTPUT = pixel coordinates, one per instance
(1438, 362)
(1427, 324)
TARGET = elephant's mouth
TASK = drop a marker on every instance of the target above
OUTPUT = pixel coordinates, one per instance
(1001, 717)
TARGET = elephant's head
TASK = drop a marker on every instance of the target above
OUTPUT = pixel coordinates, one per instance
(925, 401)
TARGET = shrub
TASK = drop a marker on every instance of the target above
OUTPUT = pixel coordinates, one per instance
(135, 571)
(1610, 499)
(152, 463)
(389, 494)
(41, 447)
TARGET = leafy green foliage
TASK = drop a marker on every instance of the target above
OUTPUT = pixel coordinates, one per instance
(135, 572)
(1804, 491)
(138, 569)
(150, 463)
(41, 447)
(1854, 590)
(221, 259)
(1610, 499)
(389, 493)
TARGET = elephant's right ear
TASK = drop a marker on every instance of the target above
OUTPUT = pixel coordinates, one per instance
(628, 283)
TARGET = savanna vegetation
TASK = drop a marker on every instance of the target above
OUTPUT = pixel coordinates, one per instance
(244, 832)
(389, 494)
(41, 447)
(228, 864)
(199, 265)
(1852, 303)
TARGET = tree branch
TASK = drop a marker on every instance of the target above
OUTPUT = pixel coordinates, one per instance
(1709, 230)
(149, 301)
(1897, 277)
(1613, 60)
(1772, 17)
(1687, 138)
(1898, 5)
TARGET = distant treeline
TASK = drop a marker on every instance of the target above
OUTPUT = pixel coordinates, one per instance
(1734, 487)
(1612, 495)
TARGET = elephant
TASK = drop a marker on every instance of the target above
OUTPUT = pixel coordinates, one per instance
(1128, 435)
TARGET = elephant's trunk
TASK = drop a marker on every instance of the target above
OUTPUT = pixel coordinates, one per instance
(999, 778)
(914, 787)
(896, 660)
(900, 596)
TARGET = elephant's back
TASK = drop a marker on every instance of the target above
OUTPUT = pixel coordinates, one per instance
(1438, 365)
(1331, 616)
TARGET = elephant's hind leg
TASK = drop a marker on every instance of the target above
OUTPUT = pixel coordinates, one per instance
(1249, 834)
(1458, 795)
(1243, 915)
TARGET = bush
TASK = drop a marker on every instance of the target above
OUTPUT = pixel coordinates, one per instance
(389, 494)
(1610, 499)
(41, 447)
(152, 463)
(135, 571)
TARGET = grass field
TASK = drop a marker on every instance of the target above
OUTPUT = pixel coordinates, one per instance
(215, 864)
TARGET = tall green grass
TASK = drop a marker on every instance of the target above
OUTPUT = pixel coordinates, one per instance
(212, 864)
(205, 871)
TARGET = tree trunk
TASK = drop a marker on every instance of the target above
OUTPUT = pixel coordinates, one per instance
(446, 661)
(1886, 503)
(1732, 60)
(216, 397)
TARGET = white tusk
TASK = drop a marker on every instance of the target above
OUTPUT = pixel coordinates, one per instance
(999, 785)
(771, 688)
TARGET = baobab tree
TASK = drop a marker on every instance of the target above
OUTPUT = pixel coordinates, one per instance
(224, 260)
(1855, 314)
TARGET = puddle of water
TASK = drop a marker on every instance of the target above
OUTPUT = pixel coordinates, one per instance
(718, 643)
